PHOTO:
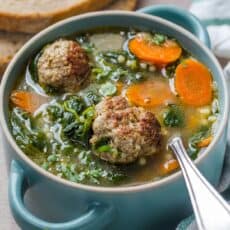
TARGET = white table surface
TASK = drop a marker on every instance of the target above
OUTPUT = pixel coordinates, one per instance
(6, 220)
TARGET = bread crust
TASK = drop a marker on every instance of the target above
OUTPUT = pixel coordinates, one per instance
(34, 22)
(4, 61)
(122, 5)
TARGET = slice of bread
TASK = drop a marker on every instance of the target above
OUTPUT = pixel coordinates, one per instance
(31, 16)
(122, 5)
(10, 42)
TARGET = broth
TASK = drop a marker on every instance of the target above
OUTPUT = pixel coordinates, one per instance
(47, 138)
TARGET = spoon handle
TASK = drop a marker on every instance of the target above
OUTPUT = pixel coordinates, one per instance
(212, 212)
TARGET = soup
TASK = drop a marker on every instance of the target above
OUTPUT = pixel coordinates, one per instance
(99, 107)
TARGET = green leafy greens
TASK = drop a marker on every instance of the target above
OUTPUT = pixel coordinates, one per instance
(57, 139)
(108, 89)
(201, 134)
(173, 116)
(74, 117)
(108, 68)
(159, 39)
(29, 138)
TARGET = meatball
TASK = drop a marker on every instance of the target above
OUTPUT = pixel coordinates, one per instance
(63, 65)
(123, 133)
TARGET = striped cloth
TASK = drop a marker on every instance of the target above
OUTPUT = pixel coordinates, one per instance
(215, 15)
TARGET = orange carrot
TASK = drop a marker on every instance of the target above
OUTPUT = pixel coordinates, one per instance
(193, 83)
(162, 54)
(205, 142)
(169, 166)
(150, 93)
(28, 101)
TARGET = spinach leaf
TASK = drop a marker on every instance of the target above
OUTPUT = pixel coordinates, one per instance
(201, 134)
(74, 103)
(159, 39)
(55, 111)
(102, 141)
(108, 89)
(109, 68)
(30, 139)
(104, 149)
(102, 73)
(173, 116)
(91, 97)
(59, 154)
(75, 117)
(113, 56)
(103, 146)
(119, 74)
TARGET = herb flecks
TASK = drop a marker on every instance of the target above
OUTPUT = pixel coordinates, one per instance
(159, 39)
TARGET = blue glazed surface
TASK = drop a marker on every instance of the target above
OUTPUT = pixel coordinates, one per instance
(182, 18)
(96, 217)
(63, 205)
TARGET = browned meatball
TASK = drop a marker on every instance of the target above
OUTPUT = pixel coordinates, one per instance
(63, 65)
(123, 133)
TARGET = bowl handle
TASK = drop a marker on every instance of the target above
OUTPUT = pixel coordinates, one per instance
(97, 216)
(180, 17)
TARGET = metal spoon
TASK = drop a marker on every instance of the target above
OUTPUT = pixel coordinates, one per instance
(212, 212)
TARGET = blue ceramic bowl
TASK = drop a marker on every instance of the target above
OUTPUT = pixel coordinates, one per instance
(58, 204)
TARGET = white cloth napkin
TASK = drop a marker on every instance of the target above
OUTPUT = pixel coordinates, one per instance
(215, 15)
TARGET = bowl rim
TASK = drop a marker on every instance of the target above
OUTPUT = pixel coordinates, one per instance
(102, 189)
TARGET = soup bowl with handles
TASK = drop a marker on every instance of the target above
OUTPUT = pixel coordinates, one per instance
(58, 204)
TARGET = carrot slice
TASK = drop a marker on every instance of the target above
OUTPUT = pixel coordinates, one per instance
(150, 93)
(205, 142)
(169, 166)
(28, 101)
(162, 54)
(193, 83)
